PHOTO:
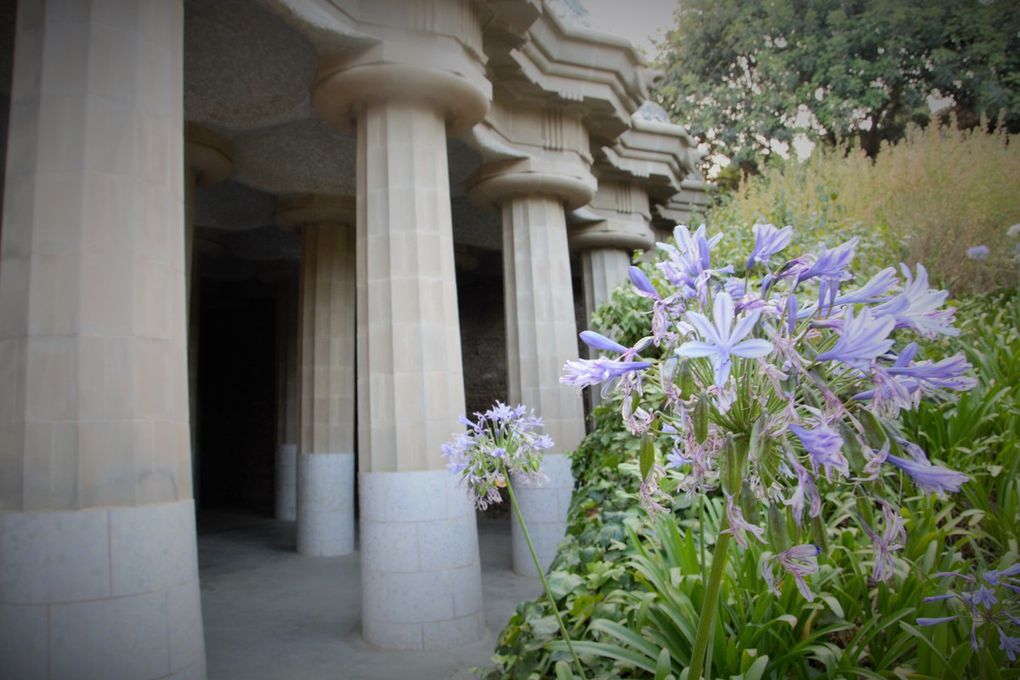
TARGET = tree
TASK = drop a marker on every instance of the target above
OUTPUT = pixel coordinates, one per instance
(747, 76)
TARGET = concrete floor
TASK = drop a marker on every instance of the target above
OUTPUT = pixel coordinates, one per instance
(271, 613)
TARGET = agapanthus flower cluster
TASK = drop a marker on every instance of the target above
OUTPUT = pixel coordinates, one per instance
(989, 598)
(503, 441)
(777, 379)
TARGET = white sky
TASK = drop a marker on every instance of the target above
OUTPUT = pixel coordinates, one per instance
(635, 20)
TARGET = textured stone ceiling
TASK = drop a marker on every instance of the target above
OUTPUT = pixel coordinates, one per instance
(243, 66)
(233, 206)
(246, 76)
(305, 156)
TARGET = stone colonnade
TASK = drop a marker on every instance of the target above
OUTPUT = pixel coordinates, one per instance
(98, 572)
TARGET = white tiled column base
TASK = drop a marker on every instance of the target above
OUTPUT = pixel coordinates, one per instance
(105, 593)
(421, 580)
(325, 504)
(286, 482)
(545, 511)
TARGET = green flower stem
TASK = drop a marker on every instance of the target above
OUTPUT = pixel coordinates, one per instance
(541, 573)
(711, 604)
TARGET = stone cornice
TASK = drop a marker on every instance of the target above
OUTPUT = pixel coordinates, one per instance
(692, 197)
(658, 155)
(598, 76)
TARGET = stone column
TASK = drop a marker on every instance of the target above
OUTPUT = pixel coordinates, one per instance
(541, 330)
(207, 160)
(287, 399)
(325, 461)
(420, 569)
(98, 572)
(606, 246)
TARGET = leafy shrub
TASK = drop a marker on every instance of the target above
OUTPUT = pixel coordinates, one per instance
(930, 197)
(633, 589)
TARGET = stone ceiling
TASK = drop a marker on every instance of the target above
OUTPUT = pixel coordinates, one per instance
(246, 77)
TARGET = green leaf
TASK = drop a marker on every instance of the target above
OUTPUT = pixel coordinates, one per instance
(562, 582)
(757, 669)
(647, 456)
(663, 666)
(563, 671)
(833, 603)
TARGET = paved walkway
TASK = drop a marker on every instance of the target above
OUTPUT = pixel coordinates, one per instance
(271, 614)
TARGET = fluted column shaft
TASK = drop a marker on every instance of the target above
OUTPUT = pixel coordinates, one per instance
(411, 383)
(541, 335)
(97, 530)
(541, 330)
(325, 463)
(602, 270)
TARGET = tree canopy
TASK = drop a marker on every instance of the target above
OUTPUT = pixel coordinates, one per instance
(744, 75)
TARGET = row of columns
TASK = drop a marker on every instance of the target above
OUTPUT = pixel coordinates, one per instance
(97, 525)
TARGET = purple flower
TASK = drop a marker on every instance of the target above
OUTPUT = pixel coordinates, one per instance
(723, 340)
(688, 266)
(825, 446)
(599, 341)
(739, 527)
(978, 253)
(877, 286)
(830, 268)
(642, 284)
(944, 374)
(1005, 577)
(1008, 644)
(798, 561)
(928, 477)
(925, 621)
(767, 242)
(863, 339)
(917, 306)
(804, 491)
(584, 372)
(983, 596)
(893, 538)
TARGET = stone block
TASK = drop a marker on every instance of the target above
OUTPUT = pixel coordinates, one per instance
(392, 635)
(404, 496)
(445, 634)
(125, 637)
(448, 544)
(325, 504)
(54, 556)
(23, 641)
(390, 546)
(152, 547)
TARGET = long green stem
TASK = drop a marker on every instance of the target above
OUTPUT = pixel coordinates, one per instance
(541, 574)
(711, 604)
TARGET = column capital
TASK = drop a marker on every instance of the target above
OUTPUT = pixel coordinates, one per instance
(207, 154)
(618, 217)
(613, 233)
(417, 68)
(532, 152)
(294, 212)
(565, 179)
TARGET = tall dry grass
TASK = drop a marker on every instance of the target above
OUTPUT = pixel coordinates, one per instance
(926, 199)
